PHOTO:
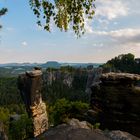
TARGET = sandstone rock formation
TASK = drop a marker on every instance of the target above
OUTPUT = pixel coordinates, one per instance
(123, 78)
(79, 124)
(65, 77)
(93, 78)
(30, 85)
(117, 99)
(76, 130)
(120, 135)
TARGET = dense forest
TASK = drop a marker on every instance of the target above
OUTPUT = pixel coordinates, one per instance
(124, 63)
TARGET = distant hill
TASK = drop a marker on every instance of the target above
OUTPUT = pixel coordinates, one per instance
(53, 64)
(13, 69)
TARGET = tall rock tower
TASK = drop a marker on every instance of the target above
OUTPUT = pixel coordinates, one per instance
(30, 85)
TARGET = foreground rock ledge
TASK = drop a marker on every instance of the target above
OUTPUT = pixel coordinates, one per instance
(76, 130)
(119, 76)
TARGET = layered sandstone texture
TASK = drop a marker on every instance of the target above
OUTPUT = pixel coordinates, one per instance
(30, 85)
(117, 99)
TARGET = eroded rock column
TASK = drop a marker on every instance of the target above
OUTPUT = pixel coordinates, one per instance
(30, 85)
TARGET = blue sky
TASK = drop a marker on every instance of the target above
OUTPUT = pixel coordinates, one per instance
(115, 29)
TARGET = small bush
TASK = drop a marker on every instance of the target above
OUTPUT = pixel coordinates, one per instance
(64, 109)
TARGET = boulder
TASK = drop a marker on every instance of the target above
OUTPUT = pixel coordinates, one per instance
(76, 130)
(73, 130)
(120, 135)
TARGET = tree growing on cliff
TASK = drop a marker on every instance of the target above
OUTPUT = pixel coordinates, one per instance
(65, 13)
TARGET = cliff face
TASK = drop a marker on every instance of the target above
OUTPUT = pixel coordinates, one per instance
(93, 78)
(91, 75)
(65, 77)
(117, 98)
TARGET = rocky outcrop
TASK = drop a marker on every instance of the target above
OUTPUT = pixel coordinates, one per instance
(117, 100)
(123, 78)
(76, 130)
(120, 135)
(65, 77)
(79, 124)
(30, 85)
(90, 79)
(73, 130)
(93, 78)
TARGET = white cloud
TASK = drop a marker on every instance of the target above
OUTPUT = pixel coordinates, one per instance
(103, 21)
(88, 26)
(24, 43)
(120, 41)
(127, 33)
(131, 47)
(111, 9)
(105, 12)
(99, 45)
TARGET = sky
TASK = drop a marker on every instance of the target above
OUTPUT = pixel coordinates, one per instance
(114, 30)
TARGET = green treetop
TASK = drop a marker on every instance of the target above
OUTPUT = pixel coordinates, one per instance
(65, 13)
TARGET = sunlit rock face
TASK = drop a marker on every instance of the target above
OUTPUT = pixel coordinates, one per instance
(30, 85)
(117, 98)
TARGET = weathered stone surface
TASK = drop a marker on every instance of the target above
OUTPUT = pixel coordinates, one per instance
(76, 130)
(123, 78)
(77, 124)
(65, 77)
(93, 78)
(120, 135)
(117, 100)
(34, 73)
(30, 85)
